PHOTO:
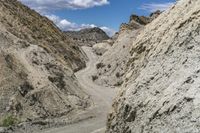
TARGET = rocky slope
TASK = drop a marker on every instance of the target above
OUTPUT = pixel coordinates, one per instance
(88, 36)
(37, 64)
(115, 52)
(161, 92)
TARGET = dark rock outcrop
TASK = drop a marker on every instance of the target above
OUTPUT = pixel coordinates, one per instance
(137, 22)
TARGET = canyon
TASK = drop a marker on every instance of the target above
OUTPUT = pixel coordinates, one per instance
(143, 79)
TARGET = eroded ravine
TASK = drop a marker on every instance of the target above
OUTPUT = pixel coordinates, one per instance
(102, 100)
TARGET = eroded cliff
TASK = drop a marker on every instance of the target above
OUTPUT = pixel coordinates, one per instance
(161, 91)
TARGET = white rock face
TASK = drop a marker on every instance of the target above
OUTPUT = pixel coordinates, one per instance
(115, 57)
(161, 92)
(114, 60)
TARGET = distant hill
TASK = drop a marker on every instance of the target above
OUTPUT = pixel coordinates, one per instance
(88, 36)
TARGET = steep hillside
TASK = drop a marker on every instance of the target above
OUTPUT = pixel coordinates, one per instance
(37, 60)
(88, 36)
(110, 67)
(161, 93)
(28, 25)
(112, 64)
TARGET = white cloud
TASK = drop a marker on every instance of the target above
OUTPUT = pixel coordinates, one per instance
(152, 7)
(45, 5)
(66, 25)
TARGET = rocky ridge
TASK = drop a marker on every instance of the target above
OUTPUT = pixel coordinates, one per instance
(136, 22)
(161, 88)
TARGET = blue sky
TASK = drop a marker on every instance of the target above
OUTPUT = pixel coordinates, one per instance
(106, 14)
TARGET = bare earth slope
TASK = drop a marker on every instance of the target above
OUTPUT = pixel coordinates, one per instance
(28, 25)
(162, 93)
(37, 81)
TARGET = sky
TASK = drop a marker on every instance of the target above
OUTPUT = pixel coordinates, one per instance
(106, 14)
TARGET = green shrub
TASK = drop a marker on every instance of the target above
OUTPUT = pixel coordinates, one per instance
(9, 121)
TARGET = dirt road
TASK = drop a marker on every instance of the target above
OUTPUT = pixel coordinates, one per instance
(101, 96)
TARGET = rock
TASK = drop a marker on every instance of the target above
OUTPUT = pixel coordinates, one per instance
(142, 20)
(136, 22)
(155, 14)
(1, 129)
